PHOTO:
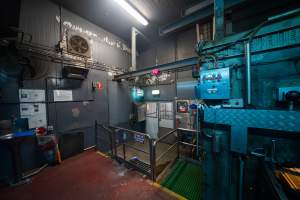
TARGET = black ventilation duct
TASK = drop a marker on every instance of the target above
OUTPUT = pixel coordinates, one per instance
(75, 72)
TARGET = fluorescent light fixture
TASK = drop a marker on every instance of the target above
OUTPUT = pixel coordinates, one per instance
(155, 92)
(126, 6)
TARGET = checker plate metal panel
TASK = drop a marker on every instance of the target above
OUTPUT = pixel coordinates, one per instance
(241, 119)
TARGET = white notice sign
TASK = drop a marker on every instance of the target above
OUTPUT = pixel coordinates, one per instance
(29, 95)
(63, 95)
(35, 113)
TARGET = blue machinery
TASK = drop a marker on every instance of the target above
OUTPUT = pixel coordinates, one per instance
(227, 73)
(267, 44)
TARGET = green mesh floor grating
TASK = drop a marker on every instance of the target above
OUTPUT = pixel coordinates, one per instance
(185, 179)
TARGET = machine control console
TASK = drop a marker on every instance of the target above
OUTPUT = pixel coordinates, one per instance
(214, 84)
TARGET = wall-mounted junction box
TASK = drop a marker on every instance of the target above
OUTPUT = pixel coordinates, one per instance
(214, 84)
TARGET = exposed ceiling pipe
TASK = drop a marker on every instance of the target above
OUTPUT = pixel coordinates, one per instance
(134, 33)
(198, 6)
(133, 49)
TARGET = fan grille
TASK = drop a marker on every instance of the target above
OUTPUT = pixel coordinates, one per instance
(79, 44)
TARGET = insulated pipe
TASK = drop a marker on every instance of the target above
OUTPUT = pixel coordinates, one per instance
(133, 49)
(248, 72)
(197, 132)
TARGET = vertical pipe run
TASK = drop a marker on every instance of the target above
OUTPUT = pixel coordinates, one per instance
(248, 73)
(96, 134)
(241, 177)
(197, 132)
(114, 142)
(178, 143)
(133, 49)
(152, 148)
(124, 151)
(218, 19)
(198, 33)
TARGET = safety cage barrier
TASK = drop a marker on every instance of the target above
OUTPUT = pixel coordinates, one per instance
(142, 153)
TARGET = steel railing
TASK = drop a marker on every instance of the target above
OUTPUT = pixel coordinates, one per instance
(118, 143)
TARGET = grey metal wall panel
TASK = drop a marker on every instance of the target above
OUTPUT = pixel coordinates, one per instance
(186, 42)
(146, 59)
(119, 102)
(167, 93)
(169, 49)
(186, 89)
(38, 18)
(166, 51)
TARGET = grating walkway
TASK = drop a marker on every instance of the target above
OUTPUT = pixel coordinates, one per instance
(185, 179)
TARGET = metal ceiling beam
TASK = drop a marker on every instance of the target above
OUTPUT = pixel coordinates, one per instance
(198, 6)
(194, 17)
(164, 67)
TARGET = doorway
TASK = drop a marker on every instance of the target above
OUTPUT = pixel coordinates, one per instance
(159, 118)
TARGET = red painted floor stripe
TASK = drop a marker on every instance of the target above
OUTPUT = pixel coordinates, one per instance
(87, 176)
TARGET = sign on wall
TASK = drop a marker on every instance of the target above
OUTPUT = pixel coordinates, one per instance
(63, 95)
(28, 95)
(33, 107)
(35, 113)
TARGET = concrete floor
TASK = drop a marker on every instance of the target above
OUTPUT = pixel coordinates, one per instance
(86, 176)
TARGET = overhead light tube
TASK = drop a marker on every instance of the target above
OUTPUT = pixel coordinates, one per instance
(133, 12)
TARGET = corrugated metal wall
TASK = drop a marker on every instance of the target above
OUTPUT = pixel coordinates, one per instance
(40, 18)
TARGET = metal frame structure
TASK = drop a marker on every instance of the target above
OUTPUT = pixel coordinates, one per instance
(111, 132)
(275, 40)
(242, 119)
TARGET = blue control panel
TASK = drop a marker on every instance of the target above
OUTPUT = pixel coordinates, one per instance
(214, 84)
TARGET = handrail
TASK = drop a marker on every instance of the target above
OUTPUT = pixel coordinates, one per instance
(165, 136)
(194, 131)
(106, 128)
(188, 144)
(130, 146)
(188, 130)
(164, 153)
(153, 158)
(130, 131)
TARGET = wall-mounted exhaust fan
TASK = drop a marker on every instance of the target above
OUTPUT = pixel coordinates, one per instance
(78, 44)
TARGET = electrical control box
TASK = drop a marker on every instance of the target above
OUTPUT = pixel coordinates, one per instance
(214, 84)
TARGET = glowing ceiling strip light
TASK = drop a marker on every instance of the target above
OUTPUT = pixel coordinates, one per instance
(132, 11)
